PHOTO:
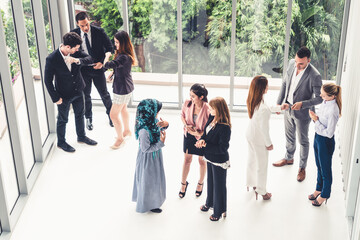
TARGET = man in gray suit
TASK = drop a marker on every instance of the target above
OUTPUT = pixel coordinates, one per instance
(301, 91)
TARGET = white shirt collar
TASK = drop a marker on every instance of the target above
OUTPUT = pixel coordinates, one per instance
(302, 70)
(62, 53)
(89, 34)
(330, 102)
(65, 57)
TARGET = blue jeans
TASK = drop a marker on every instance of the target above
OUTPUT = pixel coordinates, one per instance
(324, 149)
(63, 114)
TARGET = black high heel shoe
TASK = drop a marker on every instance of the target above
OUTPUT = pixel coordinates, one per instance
(317, 204)
(312, 197)
(204, 208)
(198, 193)
(182, 194)
(214, 219)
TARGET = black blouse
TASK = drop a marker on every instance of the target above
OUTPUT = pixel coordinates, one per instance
(123, 83)
(217, 142)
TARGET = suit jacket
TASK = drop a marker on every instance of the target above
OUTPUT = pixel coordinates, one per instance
(123, 83)
(307, 91)
(258, 131)
(217, 142)
(100, 43)
(67, 84)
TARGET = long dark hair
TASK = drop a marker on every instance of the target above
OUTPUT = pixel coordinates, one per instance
(199, 90)
(256, 92)
(126, 46)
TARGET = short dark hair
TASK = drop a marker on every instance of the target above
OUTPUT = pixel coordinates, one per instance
(81, 16)
(303, 52)
(72, 39)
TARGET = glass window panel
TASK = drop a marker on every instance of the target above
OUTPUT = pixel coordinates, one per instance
(47, 25)
(7, 165)
(18, 88)
(153, 32)
(260, 44)
(206, 30)
(317, 25)
(34, 58)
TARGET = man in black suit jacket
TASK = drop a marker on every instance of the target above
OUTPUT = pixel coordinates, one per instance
(98, 45)
(65, 65)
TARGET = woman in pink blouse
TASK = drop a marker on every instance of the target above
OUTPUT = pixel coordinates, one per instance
(194, 115)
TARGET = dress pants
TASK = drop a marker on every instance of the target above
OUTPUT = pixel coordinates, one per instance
(63, 114)
(216, 189)
(257, 165)
(324, 149)
(98, 77)
(295, 126)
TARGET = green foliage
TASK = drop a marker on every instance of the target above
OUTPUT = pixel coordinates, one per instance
(141, 10)
(108, 15)
(164, 32)
(260, 33)
(11, 43)
(317, 25)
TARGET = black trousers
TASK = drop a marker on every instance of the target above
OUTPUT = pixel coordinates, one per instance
(98, 77)
(63, 114)
(216, 189)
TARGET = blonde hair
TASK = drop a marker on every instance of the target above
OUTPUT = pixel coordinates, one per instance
(331, 89)
(222, 113)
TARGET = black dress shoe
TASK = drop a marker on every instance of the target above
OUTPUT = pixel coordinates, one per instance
(156, 210)
(87, 140)
(89, 125)
(110, 122)
(66, 147)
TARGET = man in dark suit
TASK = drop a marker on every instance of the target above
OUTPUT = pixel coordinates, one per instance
(65, 65)
(98, 45)
(301, 91)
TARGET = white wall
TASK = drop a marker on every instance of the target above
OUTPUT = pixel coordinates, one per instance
(350, 122)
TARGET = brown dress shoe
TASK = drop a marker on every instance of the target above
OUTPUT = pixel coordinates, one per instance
(301, 175)
(283, 162)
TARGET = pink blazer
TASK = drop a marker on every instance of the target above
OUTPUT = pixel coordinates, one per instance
(188, 112)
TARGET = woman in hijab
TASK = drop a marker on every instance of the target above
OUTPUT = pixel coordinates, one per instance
(149, 190)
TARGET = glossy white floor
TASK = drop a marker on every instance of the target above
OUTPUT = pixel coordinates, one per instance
(87, 194)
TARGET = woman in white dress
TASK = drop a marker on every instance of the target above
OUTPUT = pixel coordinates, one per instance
(258, 136)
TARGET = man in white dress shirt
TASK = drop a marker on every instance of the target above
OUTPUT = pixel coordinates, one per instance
(301, 90)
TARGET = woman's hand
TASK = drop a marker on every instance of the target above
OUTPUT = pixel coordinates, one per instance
(269, 148)
(162, 136)
(313, 116)
(195, 133)
(200, 144)
(162, 123)
(285, 106)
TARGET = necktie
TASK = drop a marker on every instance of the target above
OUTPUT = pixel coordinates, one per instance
(87, 44)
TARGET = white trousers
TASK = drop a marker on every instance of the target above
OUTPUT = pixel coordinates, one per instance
(257, 164)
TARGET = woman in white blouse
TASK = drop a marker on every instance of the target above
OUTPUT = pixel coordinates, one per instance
(258, 136)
